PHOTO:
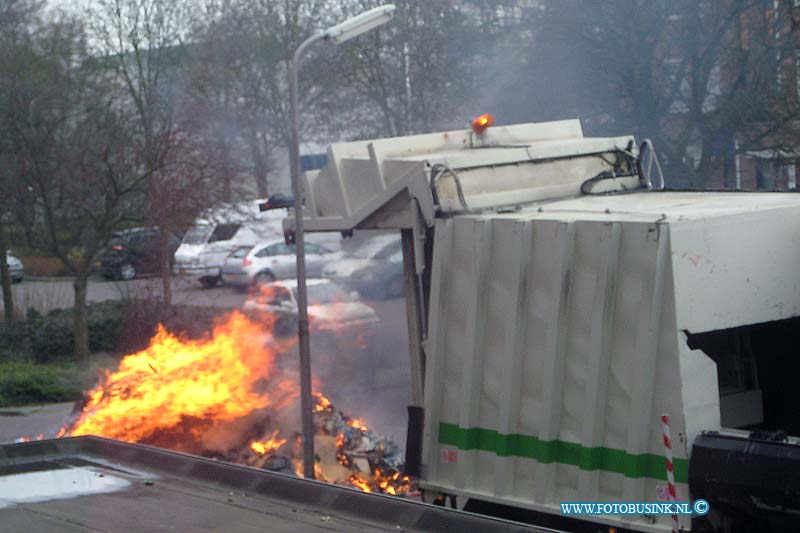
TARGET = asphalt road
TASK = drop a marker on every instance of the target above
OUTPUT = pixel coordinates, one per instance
(370, 383)
(32, 420)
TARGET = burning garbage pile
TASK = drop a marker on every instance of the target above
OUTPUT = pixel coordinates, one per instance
(348, 453)
(363, 458)
(233, 396)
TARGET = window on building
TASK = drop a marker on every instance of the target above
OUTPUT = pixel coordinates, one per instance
(678, 83)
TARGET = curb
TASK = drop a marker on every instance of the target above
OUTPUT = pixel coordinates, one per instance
(52, 279)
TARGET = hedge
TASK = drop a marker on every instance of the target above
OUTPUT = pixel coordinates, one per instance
(114, 326)
(23, 383)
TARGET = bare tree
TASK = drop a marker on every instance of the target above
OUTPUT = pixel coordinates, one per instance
(699, 78)
(190, 178)
(16, 20)
(413, 75)
(5, 278)
(422, 71)
(143, 41)
(73, 149)
(240, 58)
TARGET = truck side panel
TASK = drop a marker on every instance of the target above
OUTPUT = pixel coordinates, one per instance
(553, 353)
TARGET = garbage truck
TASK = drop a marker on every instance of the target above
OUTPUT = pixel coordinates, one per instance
(579, 333)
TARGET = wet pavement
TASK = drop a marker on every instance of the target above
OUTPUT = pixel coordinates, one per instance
(30, 421)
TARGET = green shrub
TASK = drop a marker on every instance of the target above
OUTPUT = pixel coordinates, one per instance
(142, 318)
(36, 354)
(114, 326)
(24, 383)
(51, 335)
(15, 341)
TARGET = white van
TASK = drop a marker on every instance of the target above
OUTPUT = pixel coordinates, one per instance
(221, 231)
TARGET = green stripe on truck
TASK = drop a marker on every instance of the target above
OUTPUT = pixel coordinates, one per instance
(557, 451)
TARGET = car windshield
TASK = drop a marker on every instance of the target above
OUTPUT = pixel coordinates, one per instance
(224, 232)
(240, 253)
(325, 293)
(127, 239)
(197, 234)
(389, 250)
(376, 245)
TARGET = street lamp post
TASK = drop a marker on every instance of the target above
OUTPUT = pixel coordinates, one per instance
(339, 33)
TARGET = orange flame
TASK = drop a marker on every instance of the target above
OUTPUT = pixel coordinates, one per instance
(323, 404)
(357, 423)
(185, 385)
(184, 393)
(269, 445)
(359, 483)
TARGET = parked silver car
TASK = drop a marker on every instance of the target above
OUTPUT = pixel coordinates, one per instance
(14, 268)
(375, 268)
(271, 260)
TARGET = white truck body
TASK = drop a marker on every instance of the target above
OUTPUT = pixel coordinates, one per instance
(548, 328)
(556, 340)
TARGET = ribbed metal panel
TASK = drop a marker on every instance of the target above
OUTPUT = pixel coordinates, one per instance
(553, 352)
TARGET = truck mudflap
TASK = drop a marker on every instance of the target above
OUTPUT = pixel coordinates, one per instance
(752, 479)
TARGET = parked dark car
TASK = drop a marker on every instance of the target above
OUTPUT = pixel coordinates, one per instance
(14, 268)
(133, 252)
(375, 268)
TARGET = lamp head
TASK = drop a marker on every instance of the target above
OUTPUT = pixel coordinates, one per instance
(355, 26)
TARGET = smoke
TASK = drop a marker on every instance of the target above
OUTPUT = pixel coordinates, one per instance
(537, 73)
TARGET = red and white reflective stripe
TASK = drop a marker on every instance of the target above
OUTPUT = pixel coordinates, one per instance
(673, 493)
